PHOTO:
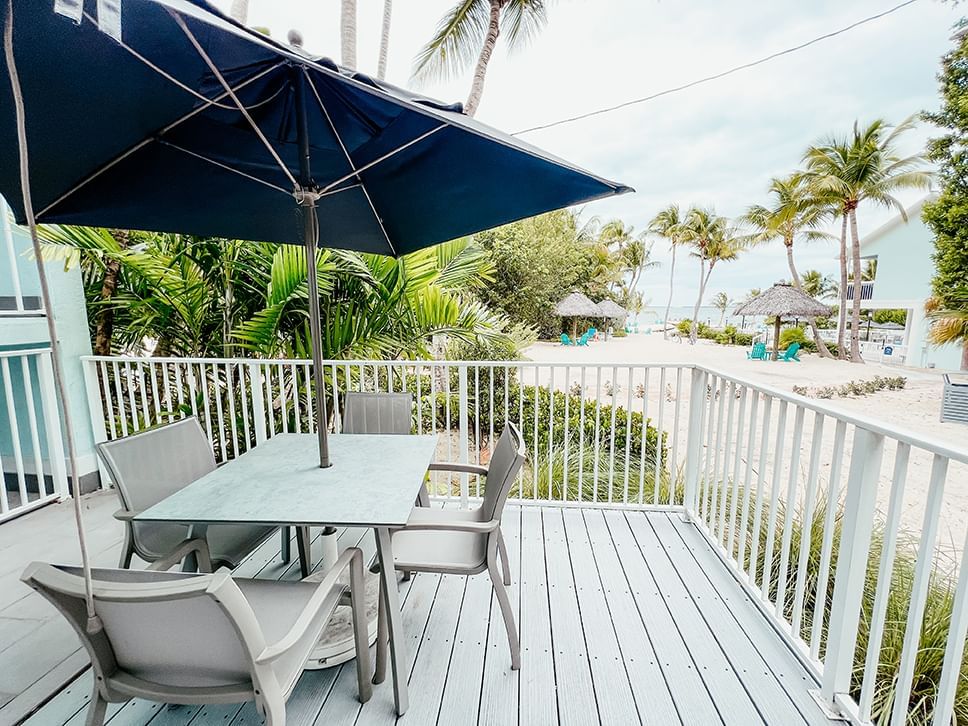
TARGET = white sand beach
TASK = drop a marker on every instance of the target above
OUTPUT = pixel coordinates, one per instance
(915, 408)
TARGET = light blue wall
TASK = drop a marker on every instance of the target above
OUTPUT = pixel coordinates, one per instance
(16, 333)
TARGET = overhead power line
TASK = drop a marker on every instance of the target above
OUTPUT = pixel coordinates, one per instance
(716, 76)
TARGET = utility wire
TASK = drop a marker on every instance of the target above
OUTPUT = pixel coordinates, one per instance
(722, 74)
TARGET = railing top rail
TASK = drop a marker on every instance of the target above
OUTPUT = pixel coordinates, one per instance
(906, 436)
(20, 352)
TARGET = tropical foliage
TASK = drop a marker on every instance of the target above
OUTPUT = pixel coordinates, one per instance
(948, 214)
(192, 296)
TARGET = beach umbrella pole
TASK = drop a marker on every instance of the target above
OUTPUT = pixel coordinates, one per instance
(306, 197)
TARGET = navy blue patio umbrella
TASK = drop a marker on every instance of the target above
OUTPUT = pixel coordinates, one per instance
(166, 115)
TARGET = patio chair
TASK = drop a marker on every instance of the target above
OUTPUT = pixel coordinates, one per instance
(381, 413)
(565, 340)
(583, 341)
(202, 638)
(592, 333)
(758, 352)
(147, 467)
(791, 353)
(463, 542)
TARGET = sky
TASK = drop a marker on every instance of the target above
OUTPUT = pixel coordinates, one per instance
(717, 144)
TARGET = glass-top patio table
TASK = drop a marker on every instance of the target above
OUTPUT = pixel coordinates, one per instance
(373, 483)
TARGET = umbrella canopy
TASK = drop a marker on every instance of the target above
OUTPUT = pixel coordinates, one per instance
(166, 115)
(612, 310)
(196, 124)
(576, 305)
(783, 300)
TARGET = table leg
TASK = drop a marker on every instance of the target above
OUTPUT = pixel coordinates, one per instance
(304, 545)
(195, 531)
(391, 601)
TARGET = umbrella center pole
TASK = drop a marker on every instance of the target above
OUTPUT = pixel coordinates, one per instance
(307, 202)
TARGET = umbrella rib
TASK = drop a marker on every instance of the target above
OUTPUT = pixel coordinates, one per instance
(349, 160)
(163, 142)
(221, 79)
(177, 122)
(386, 156)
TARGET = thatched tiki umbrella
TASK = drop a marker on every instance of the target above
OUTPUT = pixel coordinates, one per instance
(611, 310)
(782, 300)
(574, 306)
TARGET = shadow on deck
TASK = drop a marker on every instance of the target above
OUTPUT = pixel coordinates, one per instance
(625, 617)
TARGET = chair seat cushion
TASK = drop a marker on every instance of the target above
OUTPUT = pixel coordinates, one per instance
(228, 544)
(440, 551)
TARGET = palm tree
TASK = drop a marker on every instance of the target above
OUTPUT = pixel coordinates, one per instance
(240, 11)
(381, 68)
(470, 30)
(793, 214)
(863, 167)
(721, 302)
(347, 32)
(950, 326)
(818, 285)
(668, 224)
(714, 240)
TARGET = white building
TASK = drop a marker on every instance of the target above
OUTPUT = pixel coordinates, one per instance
(903, 281)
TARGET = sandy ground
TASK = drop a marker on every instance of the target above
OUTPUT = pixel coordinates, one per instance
(915, 409)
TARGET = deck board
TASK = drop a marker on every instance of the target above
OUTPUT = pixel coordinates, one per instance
(625, 617)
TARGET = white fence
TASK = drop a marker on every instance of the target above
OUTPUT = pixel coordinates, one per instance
(31, 447)
(840, 527)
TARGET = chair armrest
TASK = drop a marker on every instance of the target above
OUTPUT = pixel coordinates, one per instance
(125, 515)
(183, 549)
(455, 466)
(352, 557)
(454, 526)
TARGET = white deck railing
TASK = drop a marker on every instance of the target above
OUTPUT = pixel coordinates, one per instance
(747, 463)
(31, 448)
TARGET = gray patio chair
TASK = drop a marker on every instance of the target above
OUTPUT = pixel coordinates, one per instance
(150, 465)
(202, 638)
(380, 413)
(463, 542)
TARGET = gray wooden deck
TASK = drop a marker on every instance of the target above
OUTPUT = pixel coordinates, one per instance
(625, 617)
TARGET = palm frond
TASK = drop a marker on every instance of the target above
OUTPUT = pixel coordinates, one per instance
(456, 42)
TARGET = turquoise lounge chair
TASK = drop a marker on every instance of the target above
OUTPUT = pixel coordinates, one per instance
(565, 340)
(583, 340)
(790, 353)
(592, 332)
(758, 352)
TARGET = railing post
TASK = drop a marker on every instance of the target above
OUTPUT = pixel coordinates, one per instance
(52, 425)
(855, 542)
(697, 397)
(463, 438)
(95, 409)
(258, 402)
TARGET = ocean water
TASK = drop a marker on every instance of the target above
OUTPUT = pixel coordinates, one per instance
(707, 314)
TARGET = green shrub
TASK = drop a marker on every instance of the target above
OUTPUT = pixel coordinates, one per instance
(684, 326)
(619, 333)
(854, 388)
(792, 335)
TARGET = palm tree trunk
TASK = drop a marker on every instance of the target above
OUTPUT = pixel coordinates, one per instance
(490, 40)
(672, 275)
(964, 356)
(381, 67)
(347, 32)
(240, 11)
(694, 328)
(858, 283)
(842, 312)
(821, 346)
(104, 327)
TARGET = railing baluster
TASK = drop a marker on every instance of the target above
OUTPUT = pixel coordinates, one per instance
(297, 416)
(598, 430)
(740, 542)
(674, 468)
(135, 423)
(789, 512)
(32, 424)
(551, 432)
(217, 393)
(611, 432)
(734, 485)
(919, 590)
(18, 461)
(233, 423)
(954, 649)
(774, 501)
(166, 383)
(203, 376)
(723, 481)
(760, 486)
(105, 385)
(154, 391)
(659, 435)
(628, 435)
(583, 398)
(806, 524)
(567, 434)
(119, 396)
(144, 395)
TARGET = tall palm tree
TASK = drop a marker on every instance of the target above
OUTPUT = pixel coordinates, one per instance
(792, 215)
(865, 166)
(721, 302)
(471, 30)
(714, 240)
(668, 224)
(818, 285)
(347, 32)
(381, 67)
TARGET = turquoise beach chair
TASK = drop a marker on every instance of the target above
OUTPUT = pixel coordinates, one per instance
(583, 340)
(790, 353)
(592, 333)
(758, 352)
(565, 340)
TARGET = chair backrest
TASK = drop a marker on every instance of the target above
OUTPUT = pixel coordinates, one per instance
(377, 413)
(565, 340)
(153, 464)
(506, 462)
(759, 349)
(172, 629)
(791, 351)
